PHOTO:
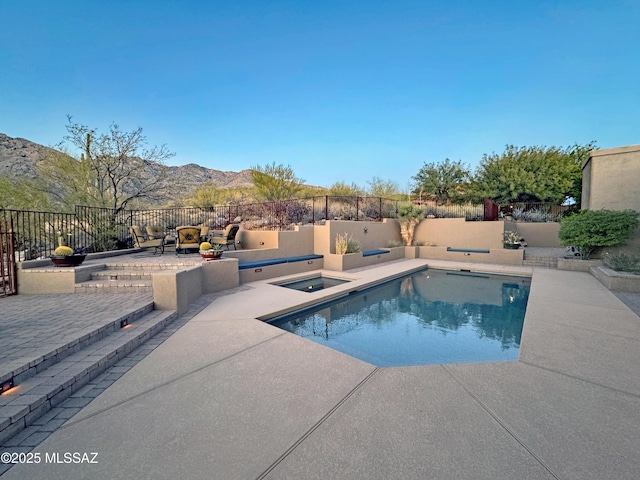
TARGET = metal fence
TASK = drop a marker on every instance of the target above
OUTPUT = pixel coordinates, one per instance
(8, 283)
(284, 215)
(535, 211)
(468, 211)
(37, 234)
(277, 215)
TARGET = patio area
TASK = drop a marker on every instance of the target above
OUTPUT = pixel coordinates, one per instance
(228, 396)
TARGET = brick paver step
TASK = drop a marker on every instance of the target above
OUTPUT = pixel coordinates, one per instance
(154, 267)
(61, 344)
(38, 394)
(114, 286)
(113, 275)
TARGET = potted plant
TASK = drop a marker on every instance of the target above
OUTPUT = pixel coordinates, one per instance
(64, 256)
(210, 252)
(512, 240)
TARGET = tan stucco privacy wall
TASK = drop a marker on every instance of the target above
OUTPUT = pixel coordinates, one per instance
(263, 245)
(539, 235)
(610, 179)
(369, 235)
(458, 233)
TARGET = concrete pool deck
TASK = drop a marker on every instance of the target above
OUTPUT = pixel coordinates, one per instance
(228, 396)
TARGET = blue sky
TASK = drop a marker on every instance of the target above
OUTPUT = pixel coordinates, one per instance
(340, 91)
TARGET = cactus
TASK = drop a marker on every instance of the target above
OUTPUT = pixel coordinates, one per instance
(63, 251)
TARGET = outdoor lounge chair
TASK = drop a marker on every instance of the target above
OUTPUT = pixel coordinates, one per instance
(187, 238)
(228, 236)
(140, 241)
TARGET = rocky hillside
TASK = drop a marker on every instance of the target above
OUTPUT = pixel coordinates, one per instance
(18, 158)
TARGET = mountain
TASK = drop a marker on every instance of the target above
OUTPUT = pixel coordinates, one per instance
(19, 157)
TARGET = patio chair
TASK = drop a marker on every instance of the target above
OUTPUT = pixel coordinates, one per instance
(155, 231)
(140, 241)
(228, 236)
(187, 238)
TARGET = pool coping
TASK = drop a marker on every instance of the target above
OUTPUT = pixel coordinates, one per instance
(247, 401)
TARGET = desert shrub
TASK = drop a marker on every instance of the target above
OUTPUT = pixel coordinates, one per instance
(393, 244)
(346, 244)
(591, 229)
(533, 215)
(622, 262)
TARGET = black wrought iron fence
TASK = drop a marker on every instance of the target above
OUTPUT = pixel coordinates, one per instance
(468, 211)
(534, 211)
(99, 229)
(36, 234)
(170, 218)
(8, 283)
(283, 215)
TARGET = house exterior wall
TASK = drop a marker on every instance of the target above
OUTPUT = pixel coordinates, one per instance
(610, 179)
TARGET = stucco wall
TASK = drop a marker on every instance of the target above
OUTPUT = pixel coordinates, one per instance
(540, 235)
(263, 244)
(369, 235)
(458, 233)
(256, 239)
(500, 255)
(610, 179)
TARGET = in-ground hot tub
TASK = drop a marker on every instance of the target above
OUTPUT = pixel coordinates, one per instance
(312, 283)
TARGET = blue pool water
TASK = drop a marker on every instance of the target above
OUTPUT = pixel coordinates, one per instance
(429, 317)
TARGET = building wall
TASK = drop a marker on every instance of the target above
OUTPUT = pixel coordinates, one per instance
(610, 179)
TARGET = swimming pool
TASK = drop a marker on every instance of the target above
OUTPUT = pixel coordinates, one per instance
(428, 317)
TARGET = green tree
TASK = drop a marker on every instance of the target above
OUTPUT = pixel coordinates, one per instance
(308, 191)
(379, 187)
(580, 153)
(532, 174)
(275, 182)
(22, 195)
(444, 182)
(207, 195)
(112, 170)
(341, 189)
(592, 229)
